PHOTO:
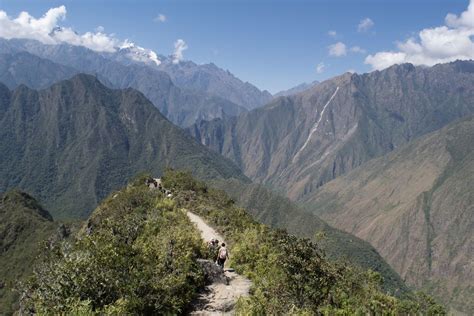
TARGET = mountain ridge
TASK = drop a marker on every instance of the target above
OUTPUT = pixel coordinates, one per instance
(369, 116)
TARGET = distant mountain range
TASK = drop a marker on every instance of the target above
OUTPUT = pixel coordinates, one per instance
(297, 89)
(185, 93)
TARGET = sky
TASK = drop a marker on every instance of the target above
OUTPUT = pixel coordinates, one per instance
(274, 45)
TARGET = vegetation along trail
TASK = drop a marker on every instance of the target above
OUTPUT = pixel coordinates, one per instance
(219, 297)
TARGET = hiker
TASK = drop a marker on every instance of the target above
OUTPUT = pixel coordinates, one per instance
(222, 255)
(212, 246)
(211, 243)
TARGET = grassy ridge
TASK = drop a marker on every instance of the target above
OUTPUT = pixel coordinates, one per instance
(135, 255)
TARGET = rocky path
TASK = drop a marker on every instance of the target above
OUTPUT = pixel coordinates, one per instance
(219, 298)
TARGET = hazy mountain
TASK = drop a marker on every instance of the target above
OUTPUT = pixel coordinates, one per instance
(79, 138)
(204, 78)
(24, 68)
(23, 224)
(213, 80)
(181, 106)
(297, 89)
(416, 206)
(298, 143)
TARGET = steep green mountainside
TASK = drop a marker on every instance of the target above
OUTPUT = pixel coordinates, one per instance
(73, 143)
(23, 225)
(297, 144)
(137, 254)
(416, 207)
(182, 106)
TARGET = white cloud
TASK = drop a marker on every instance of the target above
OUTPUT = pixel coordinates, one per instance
(160, 18)
(365, 25)
(440, 44)
(332, 34)
(179, 47)
(358, 49)
(339, 49)
(466, 19)
(351, 70)
(320, 68)
(47, 30)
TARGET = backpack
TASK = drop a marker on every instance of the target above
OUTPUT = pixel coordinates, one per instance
(223, 253)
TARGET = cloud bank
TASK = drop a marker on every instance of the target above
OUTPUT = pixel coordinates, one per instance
(46, 30)
(442, 44)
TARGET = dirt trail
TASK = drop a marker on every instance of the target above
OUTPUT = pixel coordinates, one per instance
(219, 298)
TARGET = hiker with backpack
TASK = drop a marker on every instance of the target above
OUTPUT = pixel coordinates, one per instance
(222, 256)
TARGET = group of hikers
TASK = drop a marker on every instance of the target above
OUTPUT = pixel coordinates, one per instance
(155, 183)
(220, 252)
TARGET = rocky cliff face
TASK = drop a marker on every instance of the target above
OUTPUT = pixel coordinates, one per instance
(415, 206)
(300, 142)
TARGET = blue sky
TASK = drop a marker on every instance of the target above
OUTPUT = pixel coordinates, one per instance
(272, 44)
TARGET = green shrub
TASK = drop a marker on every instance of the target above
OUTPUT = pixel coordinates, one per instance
(136, 255)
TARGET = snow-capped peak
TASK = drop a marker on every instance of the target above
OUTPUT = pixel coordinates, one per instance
(138, 53)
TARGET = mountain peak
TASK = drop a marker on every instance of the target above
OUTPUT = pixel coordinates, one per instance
(23, 200)
(138, 54)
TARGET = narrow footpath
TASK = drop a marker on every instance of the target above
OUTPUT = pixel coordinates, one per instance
(219, 298)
